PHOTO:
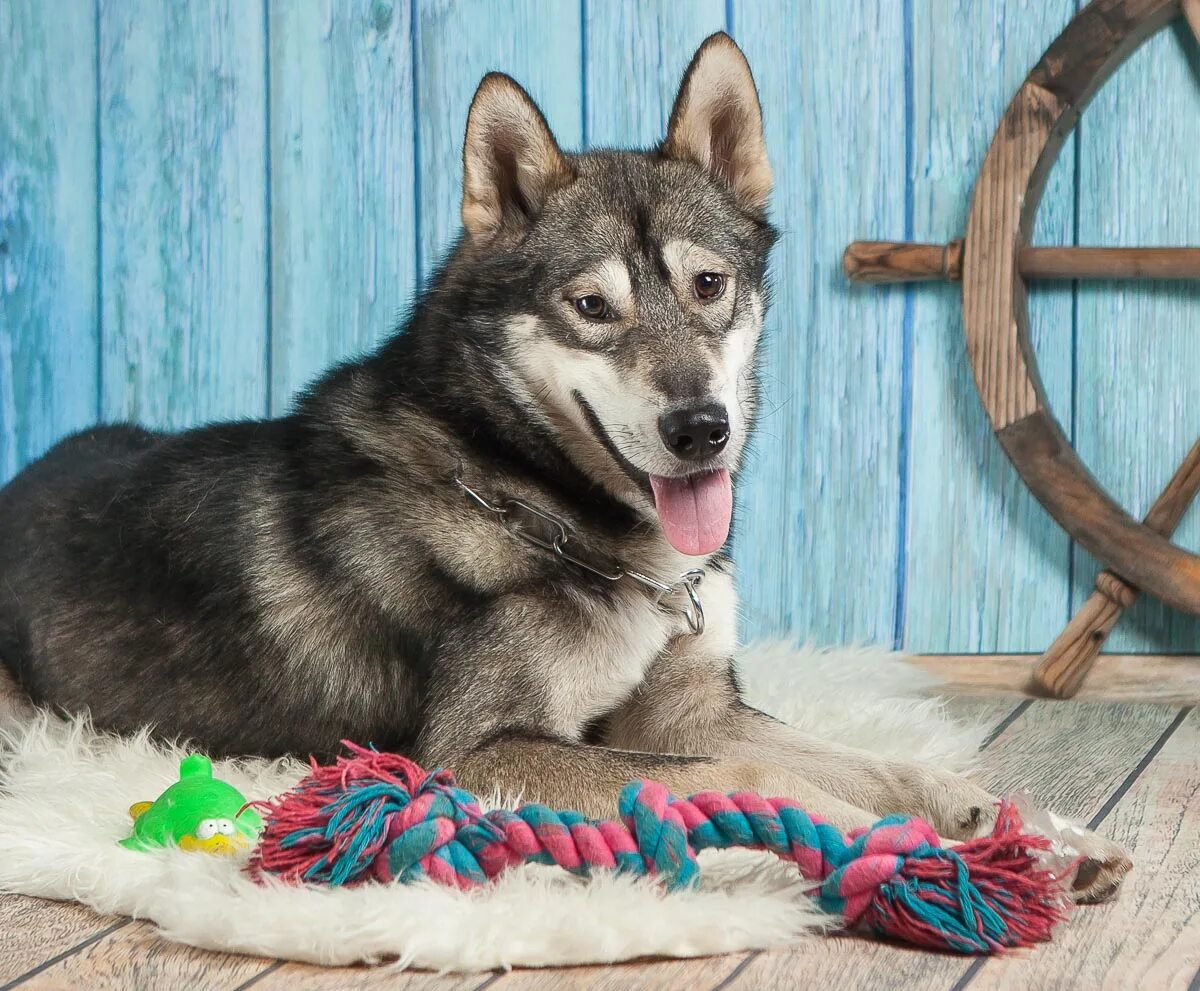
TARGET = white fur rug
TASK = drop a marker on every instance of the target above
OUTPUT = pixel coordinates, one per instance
(65, 791)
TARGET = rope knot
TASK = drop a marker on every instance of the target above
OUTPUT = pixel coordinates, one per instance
(875, 857)
(981, 896)
(372, 815)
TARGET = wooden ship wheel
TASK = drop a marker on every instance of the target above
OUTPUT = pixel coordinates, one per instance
(994, 261)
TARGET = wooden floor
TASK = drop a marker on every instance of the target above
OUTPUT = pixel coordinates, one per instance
(1129, 769)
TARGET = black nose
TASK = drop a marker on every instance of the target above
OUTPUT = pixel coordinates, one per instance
(695, 434)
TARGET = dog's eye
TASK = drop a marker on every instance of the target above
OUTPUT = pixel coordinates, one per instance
(709, 286)
(593, 307)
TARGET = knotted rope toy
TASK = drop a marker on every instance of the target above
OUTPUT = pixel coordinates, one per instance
(378, 816)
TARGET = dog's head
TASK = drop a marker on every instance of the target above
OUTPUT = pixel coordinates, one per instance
(638, 284)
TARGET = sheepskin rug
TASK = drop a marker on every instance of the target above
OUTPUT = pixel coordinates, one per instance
(65, 790)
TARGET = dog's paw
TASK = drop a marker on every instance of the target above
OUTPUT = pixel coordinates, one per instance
(955, 806)
(1098, 875)
(1100, 864)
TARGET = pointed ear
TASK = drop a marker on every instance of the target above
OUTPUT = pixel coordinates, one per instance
(717, 122)
(511, 162)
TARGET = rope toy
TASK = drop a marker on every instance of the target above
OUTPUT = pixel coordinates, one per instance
(378, 816)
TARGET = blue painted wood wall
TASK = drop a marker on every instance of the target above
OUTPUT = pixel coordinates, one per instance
(202, 204)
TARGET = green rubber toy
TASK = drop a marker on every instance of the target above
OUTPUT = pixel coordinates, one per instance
(198, 812)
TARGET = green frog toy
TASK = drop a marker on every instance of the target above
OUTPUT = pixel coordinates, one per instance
(198, 812)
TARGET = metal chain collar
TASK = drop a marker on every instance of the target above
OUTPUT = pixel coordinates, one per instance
(510, 513)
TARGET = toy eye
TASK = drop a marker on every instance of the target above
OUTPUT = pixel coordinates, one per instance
(594, 307)
(709, 286)
(225, 827)
(207, 829)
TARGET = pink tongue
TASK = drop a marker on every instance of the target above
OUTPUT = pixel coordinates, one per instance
(694, 512)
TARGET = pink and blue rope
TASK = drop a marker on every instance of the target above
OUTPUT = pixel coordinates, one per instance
(381, 817)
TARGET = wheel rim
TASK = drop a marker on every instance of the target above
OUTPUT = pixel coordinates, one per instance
(995, 315)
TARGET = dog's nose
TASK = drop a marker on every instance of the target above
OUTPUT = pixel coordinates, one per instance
(695, 434)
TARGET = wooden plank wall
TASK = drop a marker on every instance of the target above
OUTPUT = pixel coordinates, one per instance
(343, 201)
(49, 255)
(985, 564)
(1136, 408)
(203, 204)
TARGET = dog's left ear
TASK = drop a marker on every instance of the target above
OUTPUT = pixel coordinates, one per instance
(717, 122)
(511, 162)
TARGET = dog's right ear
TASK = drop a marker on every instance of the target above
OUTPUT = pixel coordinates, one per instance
(511, 162)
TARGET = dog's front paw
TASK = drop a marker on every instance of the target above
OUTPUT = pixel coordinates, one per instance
(1100, 865)
(960, 810)
(954, 805)
(1098, 875)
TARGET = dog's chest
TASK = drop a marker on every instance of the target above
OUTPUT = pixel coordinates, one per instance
(604, 662)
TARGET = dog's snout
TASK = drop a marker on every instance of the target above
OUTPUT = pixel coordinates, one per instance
(695, 434)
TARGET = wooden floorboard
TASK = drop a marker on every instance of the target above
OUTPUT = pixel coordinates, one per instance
(1171, 680)
(305, 977)
(1149, 937)
(1086, 759)
(135, 957)
(1072, 754)
(639, 976)
(706, 972)
(36, 930)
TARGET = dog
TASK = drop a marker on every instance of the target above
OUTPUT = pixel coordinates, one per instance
(496, 543)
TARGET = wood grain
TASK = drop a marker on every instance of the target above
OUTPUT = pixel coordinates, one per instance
(1068, 660)
(985, 569)
(1039, 262)
(638, 52)
(183, 211)
(134, 957)
(343, 200)
(48, 295)
(817, 523)
(1150, 936)
(705, 972)
(1134, 409)
(1114, 678)
(882, 262)
(306, 977)
(994, 713)
(1074, 754)
(1054, 473)
(1191, 11)
(457, 41)
(1003, 206)
(993, 293)
(34, 929)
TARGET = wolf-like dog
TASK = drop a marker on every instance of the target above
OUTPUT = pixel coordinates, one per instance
(443, 549)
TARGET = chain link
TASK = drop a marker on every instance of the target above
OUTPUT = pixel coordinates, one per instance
(510, 512)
